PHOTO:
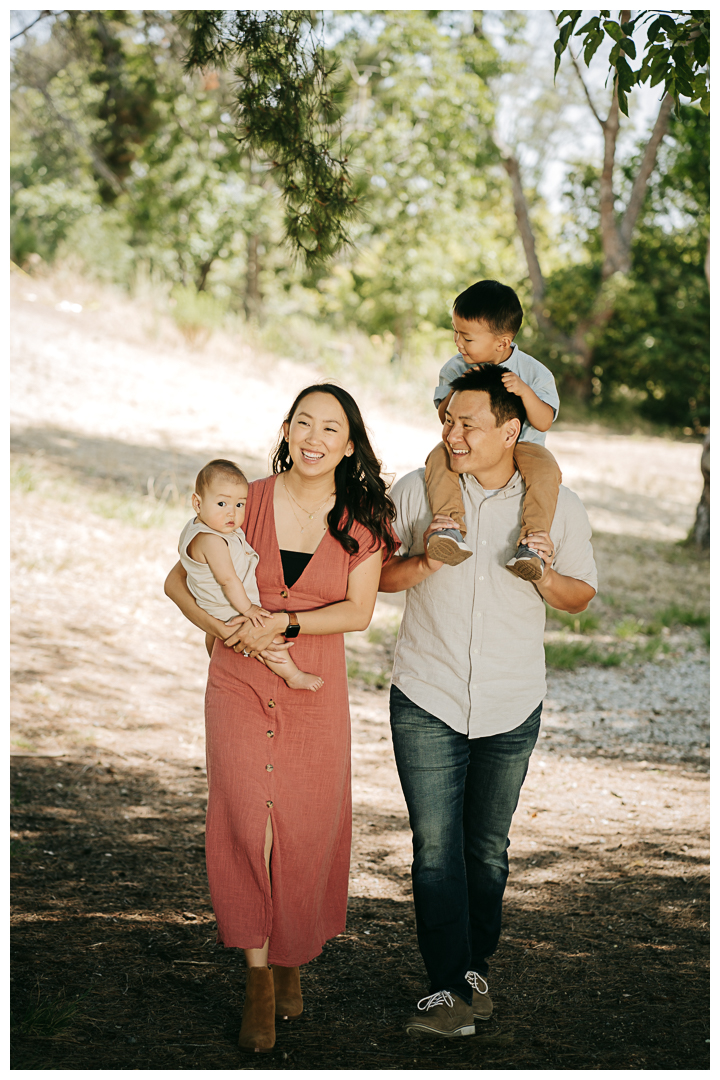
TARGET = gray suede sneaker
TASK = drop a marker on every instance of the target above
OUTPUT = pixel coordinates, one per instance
(448, 546)
(482, 1002)
(445, 1014)
(526, 564)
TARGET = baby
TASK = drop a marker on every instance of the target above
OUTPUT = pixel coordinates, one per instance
(486, 318)
(220, 563)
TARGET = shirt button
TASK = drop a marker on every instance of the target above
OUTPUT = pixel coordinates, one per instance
(271, 704)
(269, 734)
(484, 542)
(481, 578)
(269, 804)
(269, 768)
(284, 592)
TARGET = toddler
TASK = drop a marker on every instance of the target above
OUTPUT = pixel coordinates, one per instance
(220, 563)
(486, 318)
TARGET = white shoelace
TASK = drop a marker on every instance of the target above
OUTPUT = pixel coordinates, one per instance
(441, 998)
(474, 979)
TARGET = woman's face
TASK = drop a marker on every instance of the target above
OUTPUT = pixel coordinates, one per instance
(318, 435)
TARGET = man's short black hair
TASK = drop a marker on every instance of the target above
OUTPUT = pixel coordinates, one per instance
(488, 377)
(491, 303)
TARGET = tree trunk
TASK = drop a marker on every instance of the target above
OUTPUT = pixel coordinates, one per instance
(253, 293)
(701, 529)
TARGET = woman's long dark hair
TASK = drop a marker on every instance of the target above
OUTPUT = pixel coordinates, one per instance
(360, 491)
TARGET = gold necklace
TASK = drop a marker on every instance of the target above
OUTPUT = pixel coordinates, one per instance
(310, 513)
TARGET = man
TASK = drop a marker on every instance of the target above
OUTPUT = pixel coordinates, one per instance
(467, 689)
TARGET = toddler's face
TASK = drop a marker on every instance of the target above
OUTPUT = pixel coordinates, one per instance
(222, 505)
(477, 343)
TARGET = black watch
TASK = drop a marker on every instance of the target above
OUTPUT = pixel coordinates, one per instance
(293, 627)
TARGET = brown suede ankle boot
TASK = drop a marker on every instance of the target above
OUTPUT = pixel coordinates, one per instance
(257, 1033)
(288, 996)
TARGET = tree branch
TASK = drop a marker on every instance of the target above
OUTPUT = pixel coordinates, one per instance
(512, 168)
(589, 100)
(616, 256)
(42, 15)
(637, 195)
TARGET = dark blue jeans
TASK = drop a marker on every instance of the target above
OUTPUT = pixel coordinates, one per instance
(461, 795)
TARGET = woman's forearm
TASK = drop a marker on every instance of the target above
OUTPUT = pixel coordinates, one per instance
(340, 618)
(176, 588)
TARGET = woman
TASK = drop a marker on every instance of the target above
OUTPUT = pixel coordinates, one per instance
(279, 813)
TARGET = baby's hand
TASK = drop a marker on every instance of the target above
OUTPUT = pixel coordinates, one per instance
(256, 615)
(513, 383)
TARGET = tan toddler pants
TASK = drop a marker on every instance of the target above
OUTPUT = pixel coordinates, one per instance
(536, 465)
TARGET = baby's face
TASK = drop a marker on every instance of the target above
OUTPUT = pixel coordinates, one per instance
(222, 505)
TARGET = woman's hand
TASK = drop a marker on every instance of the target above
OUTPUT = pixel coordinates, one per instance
(253, 639)
(278, 652)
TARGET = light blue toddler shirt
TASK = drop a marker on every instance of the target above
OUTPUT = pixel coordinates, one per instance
(531, 371)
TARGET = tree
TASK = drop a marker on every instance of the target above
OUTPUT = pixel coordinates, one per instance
(616, 234)
(121, 157)
(677, 51)
(677, 54)
(419, 119)
(286, 112)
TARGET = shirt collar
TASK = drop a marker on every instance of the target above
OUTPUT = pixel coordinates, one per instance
(514, 487)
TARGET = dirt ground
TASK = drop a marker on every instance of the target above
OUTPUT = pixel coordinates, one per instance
(603, 959)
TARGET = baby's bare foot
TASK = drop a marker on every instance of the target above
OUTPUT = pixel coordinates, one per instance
(303, 681)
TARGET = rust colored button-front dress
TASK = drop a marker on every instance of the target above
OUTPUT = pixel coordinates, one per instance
(283, 753)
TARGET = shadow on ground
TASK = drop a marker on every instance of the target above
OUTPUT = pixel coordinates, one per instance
(115, 965)
(103, 464)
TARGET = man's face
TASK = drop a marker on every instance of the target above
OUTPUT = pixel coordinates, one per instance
(476, 444)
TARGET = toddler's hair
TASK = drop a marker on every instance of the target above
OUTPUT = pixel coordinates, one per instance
(492, 303)
(213, 469)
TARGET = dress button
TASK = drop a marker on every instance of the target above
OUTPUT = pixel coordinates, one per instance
(271, 704)
(269, 734)
(284, 593)
(269, 804)
(269, 768)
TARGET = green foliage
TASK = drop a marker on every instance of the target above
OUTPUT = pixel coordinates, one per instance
(126, 159)
(568, 655)
(676, 615)
(197, 314)
(287, 113)
(419, 114)
(653, 355)
(676, 53)
(582, 623)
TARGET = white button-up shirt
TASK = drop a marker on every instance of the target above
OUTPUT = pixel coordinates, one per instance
(470, 647)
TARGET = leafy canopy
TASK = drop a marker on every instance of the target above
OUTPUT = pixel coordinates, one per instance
(676, 53)
(287, 112)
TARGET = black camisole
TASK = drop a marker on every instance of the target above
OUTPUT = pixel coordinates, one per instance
(293, 564)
